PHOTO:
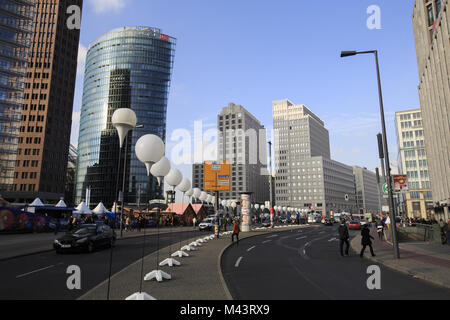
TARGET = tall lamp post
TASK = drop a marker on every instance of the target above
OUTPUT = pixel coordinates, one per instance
(386, 150)
(149, 150)
(124, 120)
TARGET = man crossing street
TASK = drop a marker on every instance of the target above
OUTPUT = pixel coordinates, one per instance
(344, 238)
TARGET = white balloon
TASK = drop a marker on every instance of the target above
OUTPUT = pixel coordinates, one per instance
(256, 206)
(123, 119)
(233, 205)
(174, 178)
(190, 192)
(185, 185)
(197, 193)
(149, 150)
(203, 196)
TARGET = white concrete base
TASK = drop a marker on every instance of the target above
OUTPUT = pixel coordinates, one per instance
(200, 240)
(140, 296)
(180, 254)
(206, 239)
(188, 248)
(170, 262)
(195, 244)
(159, 275)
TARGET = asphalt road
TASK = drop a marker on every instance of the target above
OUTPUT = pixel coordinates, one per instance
(306, 264)
(43, 276)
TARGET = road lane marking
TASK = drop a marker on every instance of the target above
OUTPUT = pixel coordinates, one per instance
(332, 239)
(321, 232)
(250, 249)
(238, 262)
(274, 236)
(301, 238)
(267, 241)
(35, 271)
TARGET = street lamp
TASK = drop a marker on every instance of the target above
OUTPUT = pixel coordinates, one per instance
(184, 187)
(160, 169)
(149, 150)
(386, 150)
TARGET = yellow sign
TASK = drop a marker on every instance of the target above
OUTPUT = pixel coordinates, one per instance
(217, 176)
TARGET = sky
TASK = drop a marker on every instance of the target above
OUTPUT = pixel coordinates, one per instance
(254, 52)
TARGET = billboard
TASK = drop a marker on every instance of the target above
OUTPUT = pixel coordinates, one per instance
(217, 176)
(400, 183)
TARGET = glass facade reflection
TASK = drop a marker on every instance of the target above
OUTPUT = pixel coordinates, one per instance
(125, 68)
(16, 22)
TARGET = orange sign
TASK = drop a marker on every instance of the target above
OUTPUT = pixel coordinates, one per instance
(217, 176)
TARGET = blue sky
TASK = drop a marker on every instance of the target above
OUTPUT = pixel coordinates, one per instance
(254, 52)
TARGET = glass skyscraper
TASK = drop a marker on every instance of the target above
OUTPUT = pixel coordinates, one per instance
(128, 67)
(16, 21)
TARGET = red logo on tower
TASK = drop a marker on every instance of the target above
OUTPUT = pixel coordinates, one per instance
(164, 37)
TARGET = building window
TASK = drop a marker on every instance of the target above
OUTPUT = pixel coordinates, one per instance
(430, 15)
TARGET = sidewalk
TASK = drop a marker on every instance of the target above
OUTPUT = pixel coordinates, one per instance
(419, 259)
(199, 276)
(18, 245)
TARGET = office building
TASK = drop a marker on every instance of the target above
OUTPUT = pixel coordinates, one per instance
(242, 142)
(306, 177)
(46, 118)
(368, 196)
(431, 21)
(15, 40)
(128, 67)
(413, 162)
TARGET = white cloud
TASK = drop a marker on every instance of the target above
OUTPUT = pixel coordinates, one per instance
(103, 6)
(82, 52)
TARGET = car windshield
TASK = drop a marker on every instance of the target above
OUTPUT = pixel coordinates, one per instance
(354, 222)
(85, 230)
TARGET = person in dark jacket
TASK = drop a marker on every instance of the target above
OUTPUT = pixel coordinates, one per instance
(366, 241)
(344, 238)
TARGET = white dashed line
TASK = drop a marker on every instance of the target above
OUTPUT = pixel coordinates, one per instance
(274, 236)
(238, 262)
(267, 241)
(301, 238)
(250, 249)
(35, 271)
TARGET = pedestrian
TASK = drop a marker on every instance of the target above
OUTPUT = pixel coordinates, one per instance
(344, 238)
(57, 226)
(446, 232)
(366, 241)
(380, 229)
(224, 223)
(236, 231)
(194, 221)
(127, 223)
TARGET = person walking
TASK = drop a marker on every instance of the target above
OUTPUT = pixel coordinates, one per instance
(366, 241)
(194, 221)
(380, 229)
(344, 238)
(224, 223)
(236, 231)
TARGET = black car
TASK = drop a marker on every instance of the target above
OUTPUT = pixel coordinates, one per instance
(86, 237)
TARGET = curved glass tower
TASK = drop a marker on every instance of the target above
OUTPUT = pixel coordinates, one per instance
(128, 67)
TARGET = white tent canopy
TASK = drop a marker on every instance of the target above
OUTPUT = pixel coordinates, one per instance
(100, 209)
(37, 203)
(82, 209)
(61, 204)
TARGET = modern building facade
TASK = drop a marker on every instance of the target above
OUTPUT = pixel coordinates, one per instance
(306, 177)
(16, 27)
(431, 23)
(413, 162)
(368, 196)
(242, 142)
(128, 67)
(46, 118)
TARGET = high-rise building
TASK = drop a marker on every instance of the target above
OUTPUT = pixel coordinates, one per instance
(197, 176)
(128, 67)
(413, 162)
(242, 142)
(306, 177)
(15, 40)
(45, 126)
(368, 196)
(431, 21)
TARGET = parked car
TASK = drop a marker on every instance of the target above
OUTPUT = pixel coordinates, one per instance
(87, 237)
(207, 224)
(354, 225)
(328, 222)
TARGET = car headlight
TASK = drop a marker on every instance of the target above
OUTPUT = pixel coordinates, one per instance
(82, 240)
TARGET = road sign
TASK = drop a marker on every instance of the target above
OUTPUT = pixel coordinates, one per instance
(400, 183)
(217, 176)
(385, 189)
